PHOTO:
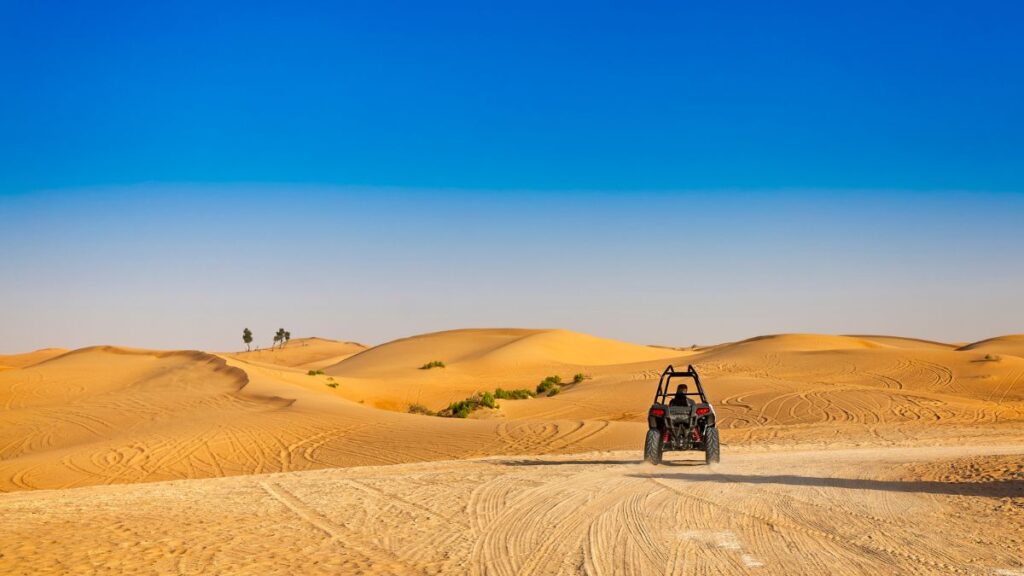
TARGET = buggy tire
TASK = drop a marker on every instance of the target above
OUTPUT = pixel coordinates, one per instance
(712, 448)
(653, 447)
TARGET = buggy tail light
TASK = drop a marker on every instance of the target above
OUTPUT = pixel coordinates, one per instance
(703, 410)
(657, 412)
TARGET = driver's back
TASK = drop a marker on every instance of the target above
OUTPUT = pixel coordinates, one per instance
(680, 398)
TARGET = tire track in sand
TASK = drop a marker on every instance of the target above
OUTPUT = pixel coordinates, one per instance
(372, 555)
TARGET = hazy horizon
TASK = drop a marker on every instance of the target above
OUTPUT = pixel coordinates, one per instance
(189, 266)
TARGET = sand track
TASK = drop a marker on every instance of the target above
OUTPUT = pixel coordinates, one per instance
(919, 510)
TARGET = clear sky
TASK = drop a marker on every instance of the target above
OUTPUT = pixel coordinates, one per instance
(658, 172)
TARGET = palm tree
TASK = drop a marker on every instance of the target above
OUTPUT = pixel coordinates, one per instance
(247, 338)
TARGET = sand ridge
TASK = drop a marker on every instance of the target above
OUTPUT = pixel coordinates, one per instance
(11, 361)
(1012, 344)
(309, 353)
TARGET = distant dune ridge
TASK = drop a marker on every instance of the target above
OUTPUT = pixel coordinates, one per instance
(501, 347)
(478, 360)
(10, 361)
(1012, 345)
(310, 353)
(108, 414)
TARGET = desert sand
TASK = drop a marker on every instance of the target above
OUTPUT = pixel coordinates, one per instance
(305, 353)
(841, 455)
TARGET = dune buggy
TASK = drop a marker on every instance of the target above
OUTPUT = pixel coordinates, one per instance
(676, 421)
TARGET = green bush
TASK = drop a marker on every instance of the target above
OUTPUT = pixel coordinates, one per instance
(459, 409)
(554, 391)
(417, 408)
(548, 384)
(432, 364)
(314, 373)
(520, 394)
(463, 408)
(487, 400)
(332, 384)
(579, 377)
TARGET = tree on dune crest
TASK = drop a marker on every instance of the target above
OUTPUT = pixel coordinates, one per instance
(278, 337)
(247, 338)
(287, 337)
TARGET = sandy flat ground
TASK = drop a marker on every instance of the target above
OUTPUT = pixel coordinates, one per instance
(841, 454)
(937, 510)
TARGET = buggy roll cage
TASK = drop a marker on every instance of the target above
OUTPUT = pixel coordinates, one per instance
(661, 396)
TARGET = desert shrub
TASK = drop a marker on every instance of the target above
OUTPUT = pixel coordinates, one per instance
(314, 373)
(332, 384)
(459, 409)
(579, 377)
(487, 400)
(991, 358)
(554, 391)
(464, 408)
(432, 364)
(548, 384)
(417, 408)
(519, 394)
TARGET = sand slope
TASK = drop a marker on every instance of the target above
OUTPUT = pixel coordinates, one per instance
(309, 353)
(479, 360)
(497, 349)
(112, 415)
(1012, 344)
(9, 361)
(898, 342)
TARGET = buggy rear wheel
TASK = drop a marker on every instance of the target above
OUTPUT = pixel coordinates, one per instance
(653, 447)
(712, 449)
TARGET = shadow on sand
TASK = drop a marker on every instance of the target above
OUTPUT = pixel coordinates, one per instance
(1013, 488)
(579, 462)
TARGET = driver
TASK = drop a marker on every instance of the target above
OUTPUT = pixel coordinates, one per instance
(680, 398)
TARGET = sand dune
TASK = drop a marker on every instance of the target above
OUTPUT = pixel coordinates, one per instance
(497, 349)
(803, 343)
(110, 415)
(1012, 344)
(309, 353)
(9, 361)
(113, 415)
(898, 342)
(390, 375)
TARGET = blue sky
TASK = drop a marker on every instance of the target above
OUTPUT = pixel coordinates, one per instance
(657, 172)
(536, 95)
